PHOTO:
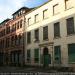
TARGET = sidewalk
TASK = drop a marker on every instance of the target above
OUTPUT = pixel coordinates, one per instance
(31, 69)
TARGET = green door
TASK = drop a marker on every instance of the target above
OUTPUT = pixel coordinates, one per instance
(46, 57)
(47, 60)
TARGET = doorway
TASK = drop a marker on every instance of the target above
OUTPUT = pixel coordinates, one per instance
(46, 57)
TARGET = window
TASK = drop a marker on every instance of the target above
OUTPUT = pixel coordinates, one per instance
(36, 55)
(28, 37)
(68, 4)
(21, 23)
(55, 9)
(45, 14)
(3, 32)
(71, 53)
(21, 39)
(57, 29)
(13, 27)
(36, 35)
(7, 42)
(45, 33)
(29, 21)
(2, 58)
(12, 41)
(57, 54)
(28, 55)
(18, 25)
(2, 43)
(14, 17)
(70, 26)
(15, 39)
(7, 30)
(36, 18)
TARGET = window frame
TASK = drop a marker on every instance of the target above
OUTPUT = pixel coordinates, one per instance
(70, 26)
(36, 18)
(45, 35)
(54, 9)
(56, 31)
(44, 11)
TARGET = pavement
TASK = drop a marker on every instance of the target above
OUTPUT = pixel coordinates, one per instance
(5, 69)
(24, 69)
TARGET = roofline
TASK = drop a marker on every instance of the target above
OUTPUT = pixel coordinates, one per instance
(20, 9)
(38, 7)
(6, 20)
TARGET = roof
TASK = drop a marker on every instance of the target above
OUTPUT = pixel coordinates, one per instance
(20, 9)
(6, 20)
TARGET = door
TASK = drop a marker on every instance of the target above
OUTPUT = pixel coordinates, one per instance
(46, 57)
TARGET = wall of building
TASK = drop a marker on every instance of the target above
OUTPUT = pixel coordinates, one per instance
(60, 14)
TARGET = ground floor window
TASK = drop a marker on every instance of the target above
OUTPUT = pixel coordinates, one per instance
(28, 55)
(36, 55)
(1, 58)
(71, 53)
(57, 54)
(15, 57)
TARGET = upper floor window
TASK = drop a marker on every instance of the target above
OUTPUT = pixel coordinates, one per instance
(36, 18)
(45, 14)
(55, 9)
(36, 35)
(8, 29)
(29, 21)
(28, 37)
(18, 25)
(12, 40)
(70, 25)
(2, 43)
(13, 27)
(68, 4)
(2, 33)
(57, 29)
(21, 23)
(45, 33)
(14, 17)
(7, 42)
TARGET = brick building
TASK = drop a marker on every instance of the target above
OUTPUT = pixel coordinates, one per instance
(12, 38)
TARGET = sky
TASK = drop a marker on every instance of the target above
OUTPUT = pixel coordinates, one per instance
(8, 7)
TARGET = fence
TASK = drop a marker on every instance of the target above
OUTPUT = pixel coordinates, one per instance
(39, 73)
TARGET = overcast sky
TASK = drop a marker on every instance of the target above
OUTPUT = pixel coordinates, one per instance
(8, 7)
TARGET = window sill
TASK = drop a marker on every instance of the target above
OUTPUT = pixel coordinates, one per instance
(70, 34)
(33, 23)
(36, 22)
(45, 18)
(37, 41)
(71, 63)
(68, 8)
(45, 39)
(57, 37)
(28, 43)
(54, 14)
